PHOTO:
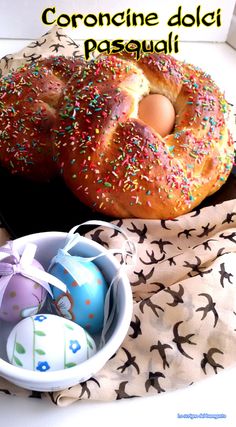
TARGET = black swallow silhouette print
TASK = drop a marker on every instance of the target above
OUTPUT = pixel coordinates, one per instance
(121, 393)
(136, 326)
(209, 360)
(186, 233)
(207, 230)
(230, 237)
(142, 278)
(161, 348)
(206, 244)
(152, 258)
(224, 275)
(176, 295)
(229, 218)
(140, 232)
(196, 268)
(129, 362)
(161, 244)
(56, 47)
(209, 308)
(180, 340)
(85, 387)
(153, 381)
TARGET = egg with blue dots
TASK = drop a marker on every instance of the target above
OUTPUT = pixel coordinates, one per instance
(84, 300)
(46, 342)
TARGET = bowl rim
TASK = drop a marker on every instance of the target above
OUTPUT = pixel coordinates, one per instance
(100, 357)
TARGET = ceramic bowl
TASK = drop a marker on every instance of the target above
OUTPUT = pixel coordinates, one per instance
(48, 243)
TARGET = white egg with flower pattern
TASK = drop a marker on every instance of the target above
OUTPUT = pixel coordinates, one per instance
(47, 342)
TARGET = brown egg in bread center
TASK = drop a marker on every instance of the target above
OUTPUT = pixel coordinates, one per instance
(117, 163)
(158, 112)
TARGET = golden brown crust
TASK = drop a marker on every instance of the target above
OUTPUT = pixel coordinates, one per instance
(118, 165)
(28, 99)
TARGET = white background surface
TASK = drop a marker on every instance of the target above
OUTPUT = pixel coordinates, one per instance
(213, 395)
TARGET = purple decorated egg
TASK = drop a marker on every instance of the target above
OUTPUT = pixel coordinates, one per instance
(22, 297)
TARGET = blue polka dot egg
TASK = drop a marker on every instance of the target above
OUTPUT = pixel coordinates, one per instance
(86, 291)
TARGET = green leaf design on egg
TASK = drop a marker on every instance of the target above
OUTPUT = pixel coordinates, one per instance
(69, 326)
(39, 351)
(89, 343)
(17, 361)
(40, 333)
(19, 348)
(70, 365)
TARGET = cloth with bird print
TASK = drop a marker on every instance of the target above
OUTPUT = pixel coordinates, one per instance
(54, 42)
(184, 312)
(184, 316)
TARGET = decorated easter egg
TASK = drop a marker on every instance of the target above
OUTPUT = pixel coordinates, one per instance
(86, 291)
(47, 342)
(23, 296)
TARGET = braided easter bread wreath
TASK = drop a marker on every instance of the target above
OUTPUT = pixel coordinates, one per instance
(28, 102)
(117, 164)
